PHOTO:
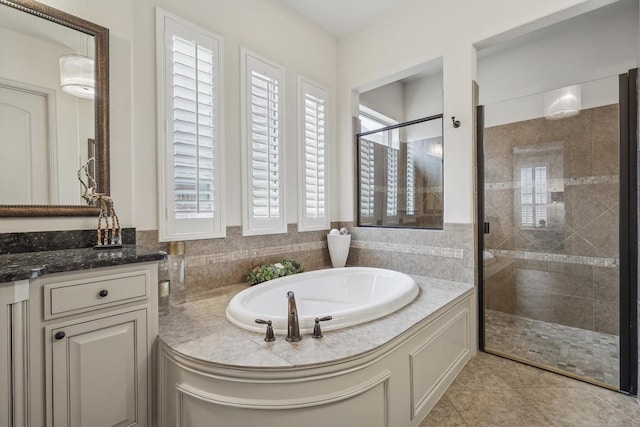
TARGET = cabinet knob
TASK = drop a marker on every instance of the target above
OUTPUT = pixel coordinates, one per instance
(103, 293)
(59, 335)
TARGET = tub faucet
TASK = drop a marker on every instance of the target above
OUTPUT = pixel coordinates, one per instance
(293, 327)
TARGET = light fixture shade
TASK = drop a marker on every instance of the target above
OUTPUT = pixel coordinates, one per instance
(562, 103)
(77, 75)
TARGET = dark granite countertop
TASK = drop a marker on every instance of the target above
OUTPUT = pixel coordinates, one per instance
(30, 265)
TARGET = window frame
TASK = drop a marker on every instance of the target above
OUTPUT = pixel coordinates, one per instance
(306, 223)
(534, 206)
(252, 226)
(172, 229)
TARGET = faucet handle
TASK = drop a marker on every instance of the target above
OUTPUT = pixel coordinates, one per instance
(269, 336)
(317, 332)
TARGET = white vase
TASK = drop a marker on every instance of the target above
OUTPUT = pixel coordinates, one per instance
(338, 248)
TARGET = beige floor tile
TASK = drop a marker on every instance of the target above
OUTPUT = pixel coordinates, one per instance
(573, 407)
(493, 391)
(444, 414)
(496, 408)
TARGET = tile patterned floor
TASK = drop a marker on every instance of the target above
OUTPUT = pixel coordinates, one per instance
(579, 351)
(493, 391)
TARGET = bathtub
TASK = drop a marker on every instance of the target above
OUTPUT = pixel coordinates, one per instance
(351, 295)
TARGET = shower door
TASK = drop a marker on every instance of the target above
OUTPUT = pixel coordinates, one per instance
(550, 169)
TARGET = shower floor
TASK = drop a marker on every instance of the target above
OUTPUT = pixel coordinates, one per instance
(578, 351)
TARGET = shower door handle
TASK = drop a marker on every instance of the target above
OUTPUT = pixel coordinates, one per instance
(486, 228)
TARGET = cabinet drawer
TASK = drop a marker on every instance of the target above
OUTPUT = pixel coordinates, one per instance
(63, 299)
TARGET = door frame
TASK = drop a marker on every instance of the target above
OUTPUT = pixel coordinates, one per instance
(628, 230)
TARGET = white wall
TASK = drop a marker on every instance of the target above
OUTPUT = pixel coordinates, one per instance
(423, 96)
(266, 27)
(587, 48)
(417, 32)
(387, 100)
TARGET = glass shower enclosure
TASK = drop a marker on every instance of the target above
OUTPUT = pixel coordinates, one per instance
(550, 238)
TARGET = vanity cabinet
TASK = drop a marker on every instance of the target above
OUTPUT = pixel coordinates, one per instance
(92, 337)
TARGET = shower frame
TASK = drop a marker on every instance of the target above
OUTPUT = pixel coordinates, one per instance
(628, 230)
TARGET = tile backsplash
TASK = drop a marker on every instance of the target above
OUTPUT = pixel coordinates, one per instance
(35, 241)
(215, 263)
(443, 254)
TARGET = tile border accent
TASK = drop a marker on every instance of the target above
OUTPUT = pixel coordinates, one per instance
(244, 254)
(434, 251)
(585, 180)
(559, 258)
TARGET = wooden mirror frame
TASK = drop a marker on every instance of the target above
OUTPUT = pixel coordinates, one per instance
(101, 100)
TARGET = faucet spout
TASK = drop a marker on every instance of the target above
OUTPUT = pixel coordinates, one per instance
(293, 327)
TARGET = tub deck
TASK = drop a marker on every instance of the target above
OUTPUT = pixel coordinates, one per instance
(200, 330)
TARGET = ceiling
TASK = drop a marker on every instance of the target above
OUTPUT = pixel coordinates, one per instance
(341, 18)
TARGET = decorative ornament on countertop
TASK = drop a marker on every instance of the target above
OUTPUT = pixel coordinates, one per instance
(109, 236)
(263, 273)
(338, 242)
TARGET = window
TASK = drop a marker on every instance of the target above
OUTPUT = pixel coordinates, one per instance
(533, 196)
(262, 90)
(190, 130)
(312, 111)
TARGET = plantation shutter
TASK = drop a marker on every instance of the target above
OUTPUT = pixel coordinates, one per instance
(367, 178)
(313, 176)
(193, 130)
(411, 179)
(263, 146)
(392, 181)
(189, 89)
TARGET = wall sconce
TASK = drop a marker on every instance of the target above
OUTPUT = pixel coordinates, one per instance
(562, 103)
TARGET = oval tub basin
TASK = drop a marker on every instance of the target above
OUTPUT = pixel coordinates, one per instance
(351, 295)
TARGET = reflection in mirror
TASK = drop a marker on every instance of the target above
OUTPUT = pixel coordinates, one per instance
(400, 174)
(51, 121)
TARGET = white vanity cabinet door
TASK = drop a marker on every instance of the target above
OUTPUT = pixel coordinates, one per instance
(5, 363)
(99, 371)
(13, 353)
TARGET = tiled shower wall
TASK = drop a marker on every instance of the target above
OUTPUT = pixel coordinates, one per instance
(444, 254)
(567, 271)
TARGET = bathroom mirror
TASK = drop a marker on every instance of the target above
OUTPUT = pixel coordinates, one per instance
(400, 174)
(399, 135)
(46, 133)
